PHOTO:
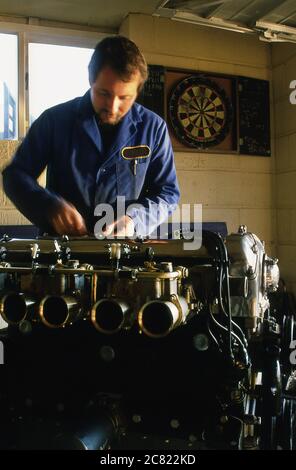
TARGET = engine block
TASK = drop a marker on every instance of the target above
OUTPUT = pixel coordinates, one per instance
(109, 341)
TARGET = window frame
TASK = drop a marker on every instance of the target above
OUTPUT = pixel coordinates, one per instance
(32, 33)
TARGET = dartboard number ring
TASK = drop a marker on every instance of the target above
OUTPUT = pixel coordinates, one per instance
(200, 112)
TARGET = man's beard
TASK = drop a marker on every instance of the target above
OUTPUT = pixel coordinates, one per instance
(117, 118)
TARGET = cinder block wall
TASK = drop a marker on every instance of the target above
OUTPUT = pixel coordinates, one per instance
(284, 71)
(237, 189)
(9, 215)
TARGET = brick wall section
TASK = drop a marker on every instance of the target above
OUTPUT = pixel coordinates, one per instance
(9, 215)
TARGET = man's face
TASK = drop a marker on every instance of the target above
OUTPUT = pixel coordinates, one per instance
(111, 97)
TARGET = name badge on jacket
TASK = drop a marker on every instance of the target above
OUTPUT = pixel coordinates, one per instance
(135, 153)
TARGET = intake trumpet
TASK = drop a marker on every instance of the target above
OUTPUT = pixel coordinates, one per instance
(159, 317)
(16, 307)
(58, 311)
(110, 315)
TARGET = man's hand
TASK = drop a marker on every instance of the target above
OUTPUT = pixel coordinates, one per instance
(67, 220)
(123, 227)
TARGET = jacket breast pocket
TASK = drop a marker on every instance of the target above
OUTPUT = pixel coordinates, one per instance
(131, 177)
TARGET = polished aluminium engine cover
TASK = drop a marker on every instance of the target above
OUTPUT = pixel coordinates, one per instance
(252, 275)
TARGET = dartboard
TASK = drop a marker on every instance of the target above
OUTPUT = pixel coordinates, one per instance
(200, 112)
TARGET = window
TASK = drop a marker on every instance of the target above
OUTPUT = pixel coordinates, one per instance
(40, 67)
(56, 74)
(8, 86)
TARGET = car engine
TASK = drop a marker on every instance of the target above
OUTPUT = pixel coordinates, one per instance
(124, 344)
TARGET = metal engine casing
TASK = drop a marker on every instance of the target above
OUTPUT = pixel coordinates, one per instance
(252, 275)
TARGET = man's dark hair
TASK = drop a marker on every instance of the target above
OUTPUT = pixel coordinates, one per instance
(121, 55)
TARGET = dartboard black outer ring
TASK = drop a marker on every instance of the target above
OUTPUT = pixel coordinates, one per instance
(221, 125)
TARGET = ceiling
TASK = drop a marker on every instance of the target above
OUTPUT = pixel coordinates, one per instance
(272, 20)
(107, 14)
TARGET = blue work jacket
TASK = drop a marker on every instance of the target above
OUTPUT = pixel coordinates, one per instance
(66, 139)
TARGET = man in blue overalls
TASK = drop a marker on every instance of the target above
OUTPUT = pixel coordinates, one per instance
(97, 148)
